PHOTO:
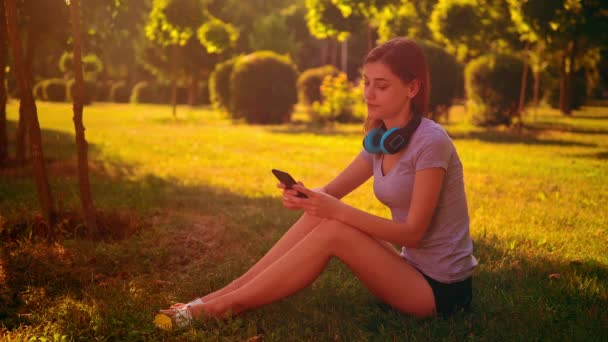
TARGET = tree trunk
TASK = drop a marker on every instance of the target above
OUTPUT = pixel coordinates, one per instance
(30, 115)
(334, 52)
(536, 90)
(565, 97)
(344, 55)
(174, 52)
(21, 135)
(193, 90)
(370, 43)
(522, 89)
(324, 51)
(84, 187)
(3, 53)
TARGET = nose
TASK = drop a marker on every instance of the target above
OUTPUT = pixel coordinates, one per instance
(368, 93)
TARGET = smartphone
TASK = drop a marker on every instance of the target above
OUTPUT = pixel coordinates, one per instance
(286, 179)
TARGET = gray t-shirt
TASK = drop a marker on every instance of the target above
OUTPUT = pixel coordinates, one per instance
(445, 251)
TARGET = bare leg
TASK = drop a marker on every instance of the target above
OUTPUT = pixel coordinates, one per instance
(297, 232)
(383, 271)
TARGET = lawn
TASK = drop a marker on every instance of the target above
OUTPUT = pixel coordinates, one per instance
(189, 204)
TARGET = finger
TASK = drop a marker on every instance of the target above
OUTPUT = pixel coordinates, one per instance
(304, 190)
(281, 186)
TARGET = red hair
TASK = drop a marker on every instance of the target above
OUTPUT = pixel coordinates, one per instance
(407, 61)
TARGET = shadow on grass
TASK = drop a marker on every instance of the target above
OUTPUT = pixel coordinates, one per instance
(528, 137)
(512, 290)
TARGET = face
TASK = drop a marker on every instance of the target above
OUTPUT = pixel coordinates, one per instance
(387, 97)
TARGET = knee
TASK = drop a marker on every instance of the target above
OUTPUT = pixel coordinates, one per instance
(333, 232)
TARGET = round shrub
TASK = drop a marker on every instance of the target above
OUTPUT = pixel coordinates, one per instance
(145, 92)
(37, 90)
(103, 91)
(309, 83)
(219, 84)
(55, 89)
(89, 91)
(445, 76)
(579, 91)
(119, 92)
(493, 84)
(263, 88)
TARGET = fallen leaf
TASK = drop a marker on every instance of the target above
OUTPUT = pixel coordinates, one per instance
(554, 276)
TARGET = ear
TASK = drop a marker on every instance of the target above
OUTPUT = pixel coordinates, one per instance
(413, 87)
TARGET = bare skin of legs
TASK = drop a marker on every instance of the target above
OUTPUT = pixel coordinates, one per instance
(307, 247)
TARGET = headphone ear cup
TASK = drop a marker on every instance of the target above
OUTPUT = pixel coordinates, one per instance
(391, 141)
(372, 140)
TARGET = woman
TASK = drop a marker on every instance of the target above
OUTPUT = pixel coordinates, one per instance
(417, 174)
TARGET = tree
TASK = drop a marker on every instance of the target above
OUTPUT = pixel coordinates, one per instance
(173, 23)
(3, 55)
(84, 186)
(571, 27)
(469, 28)
(30, 114)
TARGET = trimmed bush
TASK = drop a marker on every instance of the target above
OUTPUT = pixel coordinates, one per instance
(103, 91)
(55, 89)
(145, 92)
(263, 88)
(309, 83)
(219, 84)
(446, 78)
(119, 92)
(579, 91)
(493, 84)
(90, 89)
(37, 90)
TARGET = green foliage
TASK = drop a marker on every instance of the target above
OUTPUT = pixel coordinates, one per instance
(90, 90)
(446, 76)
(309, 83)
(173, 22)
(271, 33)
(469, 28)
(493, 85)
(217, 36)
(339, 101)
(263, 88)
(219, 84)
(400, 20)
(119, 92)
(91, 65)
(55, 90)
(147, 92)
(331, 19)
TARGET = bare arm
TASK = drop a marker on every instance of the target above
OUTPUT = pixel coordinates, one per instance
(425, 195)
(355, 174)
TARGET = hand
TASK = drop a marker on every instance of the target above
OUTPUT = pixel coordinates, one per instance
(318, 203)
(287, 193)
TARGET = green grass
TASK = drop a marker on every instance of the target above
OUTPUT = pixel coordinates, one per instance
(198, 205)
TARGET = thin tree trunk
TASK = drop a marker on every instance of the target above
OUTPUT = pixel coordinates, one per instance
(174, 52)
(344, 55)
(193, 90)
(536, 91)
(21, 135)
(370, 43)
(565, 98)
(3, 54)
(324, 51)
(334, 52)
(522, 90)
(30, 115)
(86, 200)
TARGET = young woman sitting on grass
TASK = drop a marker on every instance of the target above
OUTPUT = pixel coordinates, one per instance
(417, 174)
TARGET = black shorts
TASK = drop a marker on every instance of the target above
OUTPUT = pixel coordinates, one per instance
(450, 297)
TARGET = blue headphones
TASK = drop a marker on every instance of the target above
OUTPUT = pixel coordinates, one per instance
(379, 140)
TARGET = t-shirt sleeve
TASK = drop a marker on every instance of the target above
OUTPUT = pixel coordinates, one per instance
(436, 151)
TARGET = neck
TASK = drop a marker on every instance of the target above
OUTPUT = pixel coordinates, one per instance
(398, 120)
